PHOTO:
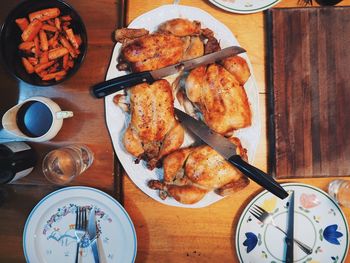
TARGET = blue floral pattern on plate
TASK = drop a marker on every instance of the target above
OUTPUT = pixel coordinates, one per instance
(331, 234)
(251, 241)
(319, 223)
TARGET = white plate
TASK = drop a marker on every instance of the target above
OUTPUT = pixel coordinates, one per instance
(319, 223)
(117, 120)
(48, 234)
(244, 6)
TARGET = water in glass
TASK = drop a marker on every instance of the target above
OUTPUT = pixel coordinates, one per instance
(61, 166)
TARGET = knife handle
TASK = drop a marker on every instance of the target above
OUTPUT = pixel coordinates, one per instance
(290, 250)
(105, 88)
(258, 176)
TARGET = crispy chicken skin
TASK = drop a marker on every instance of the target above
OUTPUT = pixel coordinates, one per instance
(174, 41)
(153, 51)
(153, 131)
(190, 173)
(238, 67)
(220, 98)
(181, 27)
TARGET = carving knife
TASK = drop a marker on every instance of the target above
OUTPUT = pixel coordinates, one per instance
(228, 150)
(105, 88)
(91, 229)
(290, 231)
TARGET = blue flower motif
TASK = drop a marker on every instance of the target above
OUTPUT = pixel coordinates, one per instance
(331, 234)
(251, 241)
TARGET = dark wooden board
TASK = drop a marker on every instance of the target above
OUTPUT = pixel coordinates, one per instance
(309, 86)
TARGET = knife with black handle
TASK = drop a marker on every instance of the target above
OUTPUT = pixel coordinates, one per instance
(290, 231)
(228, 150)
(258, 176)
(105, 88)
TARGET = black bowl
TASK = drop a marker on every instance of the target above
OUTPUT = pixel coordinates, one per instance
(10, 38)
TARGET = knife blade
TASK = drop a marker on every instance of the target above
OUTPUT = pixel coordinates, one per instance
(290, 231)
(105, 88)
(228, 150)
(91, 228)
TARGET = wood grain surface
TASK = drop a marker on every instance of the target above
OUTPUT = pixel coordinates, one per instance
(87, 126)
(164, 233)
(170, 234)
(310, 94)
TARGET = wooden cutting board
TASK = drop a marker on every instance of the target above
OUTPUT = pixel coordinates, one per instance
(309, 91)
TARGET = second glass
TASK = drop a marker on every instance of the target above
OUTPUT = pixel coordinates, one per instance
(62, 165)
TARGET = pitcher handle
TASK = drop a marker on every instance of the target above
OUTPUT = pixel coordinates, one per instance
(64, 114)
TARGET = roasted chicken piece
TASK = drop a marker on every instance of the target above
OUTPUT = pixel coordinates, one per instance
(153, 51)
(153, 131)
(190, 173)
(174, 41)
(181, 27)
(220, 96)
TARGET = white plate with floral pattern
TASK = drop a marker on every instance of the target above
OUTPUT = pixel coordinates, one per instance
(117, 120)
(48, 234)
(319, 223)
(244, 6)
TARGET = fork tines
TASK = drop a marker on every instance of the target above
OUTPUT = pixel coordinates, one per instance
(81, 218)
(256, 211)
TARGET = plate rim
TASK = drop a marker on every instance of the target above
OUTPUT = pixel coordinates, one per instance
(254, 96)
(73, 188)
(241, 11)
(315, 188)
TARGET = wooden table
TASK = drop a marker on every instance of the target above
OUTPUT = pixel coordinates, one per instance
(87, 126)
(164, 234)
(170, 234)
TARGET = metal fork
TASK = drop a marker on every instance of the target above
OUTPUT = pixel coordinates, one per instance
(80, 227)
(266, 218)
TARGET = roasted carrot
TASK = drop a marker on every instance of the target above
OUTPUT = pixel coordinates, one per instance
(57, 53)
(68, 46)
(78, 38)
(49, 28)
(65, 62)
(71, 38)
(37, 46)
(44, 57)
(70, 63)
(66, 18)
(45, 14)
(44, 44)
(53, 68)
(32, 30)
(22, 23)
(53, 40)
(34, 61)
(41, 67)
(50, 76)
(50, 22)
(26, 45)
(28, 67)
(58, 23)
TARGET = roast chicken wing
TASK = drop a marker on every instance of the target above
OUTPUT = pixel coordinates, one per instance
(190, 173)
(153, 131)
(220, 96)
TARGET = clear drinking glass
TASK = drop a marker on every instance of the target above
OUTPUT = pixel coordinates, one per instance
(339, 190)
(62, 165)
